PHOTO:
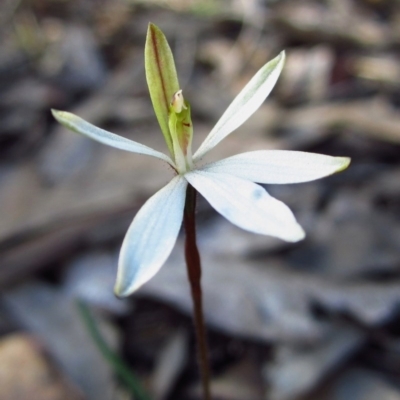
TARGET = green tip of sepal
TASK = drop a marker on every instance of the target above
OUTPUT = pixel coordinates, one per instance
(343, 163)
(123, 288)
(120, 292)
(161, 77)
(56, 113)
(71, 122)
(65, 118)
(279, 59)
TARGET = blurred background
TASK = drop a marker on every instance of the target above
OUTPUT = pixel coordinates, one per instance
(313, 320)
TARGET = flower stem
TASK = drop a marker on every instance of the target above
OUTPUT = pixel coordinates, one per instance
(194, 273)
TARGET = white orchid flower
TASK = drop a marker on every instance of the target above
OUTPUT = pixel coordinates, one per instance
(229, 184)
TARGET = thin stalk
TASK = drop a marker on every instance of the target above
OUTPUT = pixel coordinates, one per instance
(119, 367)
(193, 264)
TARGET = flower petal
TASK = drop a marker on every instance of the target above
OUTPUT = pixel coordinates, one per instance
(151, 237)
(79, 125)
(247, 205)
(279, 166)
(245, 104)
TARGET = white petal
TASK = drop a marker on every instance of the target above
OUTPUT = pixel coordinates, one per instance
(245, 104)
(151, 237)
(79, 125)
(247, 205)
(279, 166)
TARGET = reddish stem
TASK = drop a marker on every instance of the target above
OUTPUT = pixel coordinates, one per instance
(194, 273)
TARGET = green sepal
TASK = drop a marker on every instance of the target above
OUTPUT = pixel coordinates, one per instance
(162, 78)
